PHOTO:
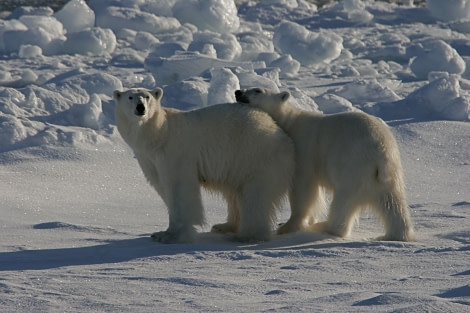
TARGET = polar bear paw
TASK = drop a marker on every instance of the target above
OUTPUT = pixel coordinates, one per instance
(294, 226)
(334, 229)
(224, 228)
(168, 236)
(164, 237)
(288, 228)
(406, 235)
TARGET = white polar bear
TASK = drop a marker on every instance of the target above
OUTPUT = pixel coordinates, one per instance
(230, 148)
(354, 155)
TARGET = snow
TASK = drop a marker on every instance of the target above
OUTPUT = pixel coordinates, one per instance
(93, 40)
(307, 47)
(76, 211)
(76, 16)
(212, 15)
(436, 56)
(117, 18)
(218, 45)
(450, 10)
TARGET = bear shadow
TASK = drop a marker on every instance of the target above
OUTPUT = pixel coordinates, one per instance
(124, 250)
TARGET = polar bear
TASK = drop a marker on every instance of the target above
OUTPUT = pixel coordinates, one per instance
(233, 149)
(353, 155)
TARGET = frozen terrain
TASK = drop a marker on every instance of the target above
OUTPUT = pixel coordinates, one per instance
(76, 212)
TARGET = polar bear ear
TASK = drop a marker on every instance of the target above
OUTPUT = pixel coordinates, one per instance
(157, 93)
(116, 94)
(284, 96)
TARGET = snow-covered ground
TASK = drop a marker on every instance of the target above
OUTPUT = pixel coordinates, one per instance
(76, 212)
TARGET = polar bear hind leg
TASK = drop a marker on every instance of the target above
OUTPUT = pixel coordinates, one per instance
(389, 205)
(388, 200)
(258, 203)
(392, 208)
(233, 217)
(256, 216)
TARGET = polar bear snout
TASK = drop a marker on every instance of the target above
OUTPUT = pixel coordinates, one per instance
(140, 109)
(238, 94)
(241, 97)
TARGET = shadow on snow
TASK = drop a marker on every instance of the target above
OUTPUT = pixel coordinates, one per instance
(117, 251)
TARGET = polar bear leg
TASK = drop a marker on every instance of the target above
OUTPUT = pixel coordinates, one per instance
(393, 210)
(306, 197)
(307, 203)
(343, 210)
(183, 198)
(233, 217)
(257, 210)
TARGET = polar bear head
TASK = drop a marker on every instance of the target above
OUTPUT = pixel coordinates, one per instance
(265, 99)
(137, 103)
(136, 108)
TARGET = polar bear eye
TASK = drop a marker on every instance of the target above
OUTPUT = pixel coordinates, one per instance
(130, 97)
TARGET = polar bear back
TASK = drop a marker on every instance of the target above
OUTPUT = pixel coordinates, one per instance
(367, 140)
(356, 131)
(227, 141)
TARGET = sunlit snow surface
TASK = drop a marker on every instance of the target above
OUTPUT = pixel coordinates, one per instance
(76, 212)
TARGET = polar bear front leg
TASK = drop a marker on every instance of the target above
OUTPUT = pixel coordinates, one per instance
(185, 211)
(343, 211)
(307, 202)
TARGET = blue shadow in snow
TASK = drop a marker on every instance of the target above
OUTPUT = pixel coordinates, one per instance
(124, 250)
(114, 251)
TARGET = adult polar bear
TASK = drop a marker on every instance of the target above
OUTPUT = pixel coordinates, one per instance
(352, 154)
(236, 150)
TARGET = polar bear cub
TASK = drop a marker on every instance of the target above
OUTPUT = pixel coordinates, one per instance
(233, 149)
(354, 155)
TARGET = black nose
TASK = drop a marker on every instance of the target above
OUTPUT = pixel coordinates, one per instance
(140, 109)
(238, 94)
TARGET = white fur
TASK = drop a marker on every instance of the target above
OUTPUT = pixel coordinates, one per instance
(354, 155)
(230, 148)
